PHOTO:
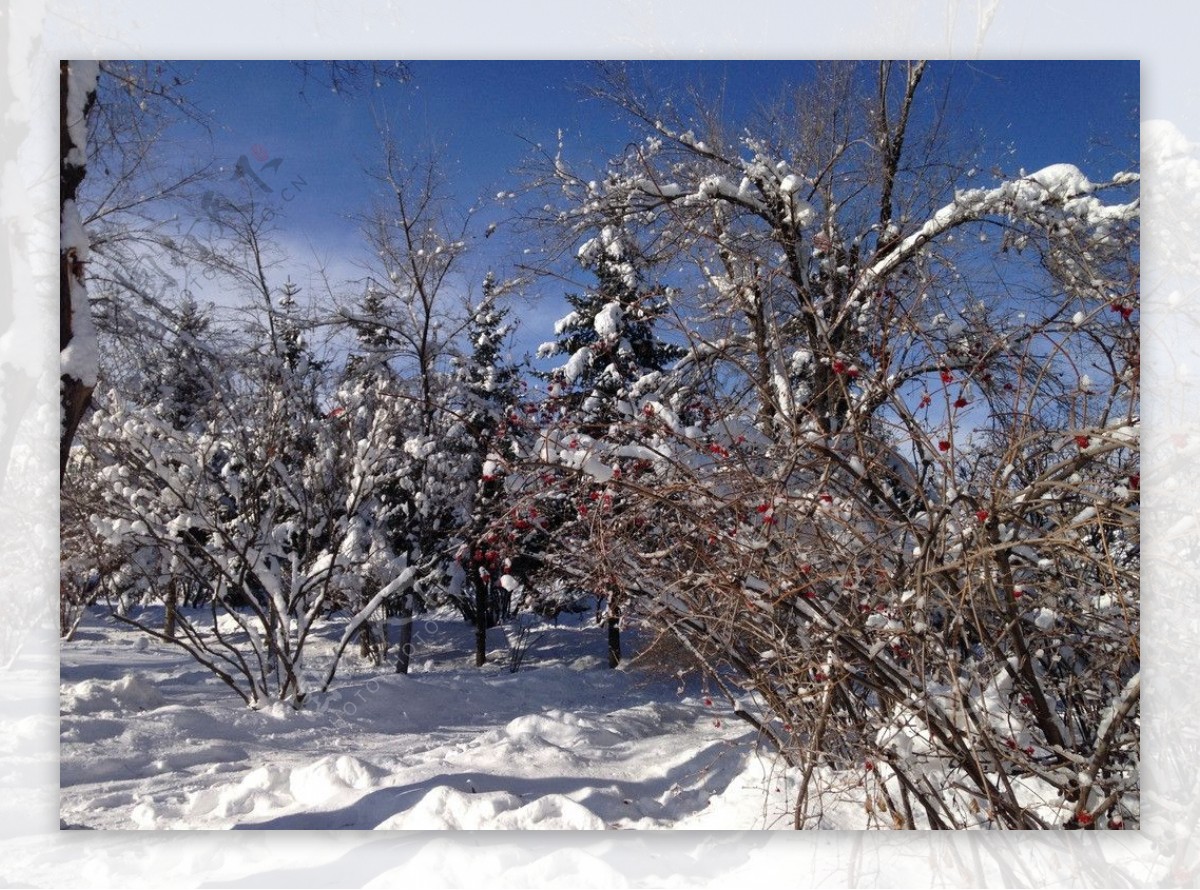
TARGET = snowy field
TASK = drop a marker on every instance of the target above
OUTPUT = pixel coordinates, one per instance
(150, 740)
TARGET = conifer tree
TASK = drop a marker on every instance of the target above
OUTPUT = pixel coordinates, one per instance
(490, 390)
(609, 338)
(613, 353)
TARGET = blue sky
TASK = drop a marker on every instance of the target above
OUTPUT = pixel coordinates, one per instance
(482, 116)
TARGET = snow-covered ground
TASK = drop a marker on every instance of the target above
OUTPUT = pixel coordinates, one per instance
(150, 739)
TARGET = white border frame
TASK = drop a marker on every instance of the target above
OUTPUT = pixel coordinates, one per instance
(38, 32)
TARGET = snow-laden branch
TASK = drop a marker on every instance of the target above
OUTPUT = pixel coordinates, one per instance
(1061, 188)
(400, 584)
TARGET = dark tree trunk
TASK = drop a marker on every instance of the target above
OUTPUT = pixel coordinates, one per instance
(172, 605)
(481, 621)
(76, 393)
(614, 637)
(406, 636)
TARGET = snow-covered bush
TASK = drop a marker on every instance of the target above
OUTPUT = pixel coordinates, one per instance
(269, 513)
(907, 539)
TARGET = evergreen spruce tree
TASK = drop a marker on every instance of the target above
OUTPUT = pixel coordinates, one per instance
(612, 348)
(186, 383)
(608, 338)
(490, 387)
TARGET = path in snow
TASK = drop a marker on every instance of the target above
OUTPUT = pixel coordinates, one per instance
(151, 740)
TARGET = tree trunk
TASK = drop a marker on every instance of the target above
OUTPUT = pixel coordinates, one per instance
(406, 635)
(614, 637)
(481, 621)
(76, 387)
(172, 605)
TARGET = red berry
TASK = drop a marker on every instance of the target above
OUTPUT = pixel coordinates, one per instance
(1083, 441)
(947, 377)
(1135, 481)
(1084, 818)
(943, 445)
(926, 400)
(960, 402)
(839, 367)
(708, 701)
(981, 515)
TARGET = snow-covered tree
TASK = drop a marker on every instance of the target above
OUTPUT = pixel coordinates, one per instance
(272, 511)
(614, 359)
(925, 411)
(409, 325)
(77, 338)
(490, 386)
(125, 260)
(264, 505)
(608, 338)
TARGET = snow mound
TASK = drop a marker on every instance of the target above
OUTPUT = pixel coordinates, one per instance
(130, 693)
(269, 788)
(562, 730)
(447, 808)
(330, 776)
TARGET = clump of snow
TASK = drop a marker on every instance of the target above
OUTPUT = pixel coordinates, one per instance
(1063, 181)
(608, 320)
(326, 778)
(577, 364)
(445, 807)
(130, 693)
